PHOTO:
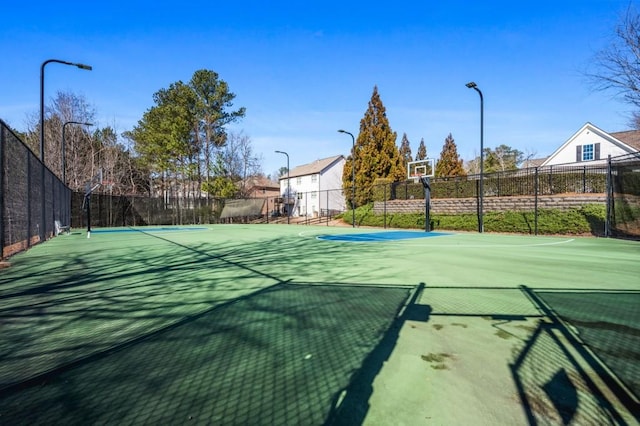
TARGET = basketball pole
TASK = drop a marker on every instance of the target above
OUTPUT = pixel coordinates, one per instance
(427, 202)
(88, 197)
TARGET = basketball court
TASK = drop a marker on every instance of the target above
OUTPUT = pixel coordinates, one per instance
(275, 324)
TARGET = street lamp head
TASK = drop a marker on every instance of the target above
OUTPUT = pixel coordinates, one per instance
(471, 85)
(342, 131)
(84, 67)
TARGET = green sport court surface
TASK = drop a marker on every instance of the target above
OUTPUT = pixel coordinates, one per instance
(274, 324)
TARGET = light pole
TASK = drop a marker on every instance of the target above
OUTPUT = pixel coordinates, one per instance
(81, 66)
(42, 188)
(353, 176)
(474, 86)
(288, 188)
(64, 168)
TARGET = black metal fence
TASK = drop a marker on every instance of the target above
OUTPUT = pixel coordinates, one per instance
(32, 198)
(549, 180)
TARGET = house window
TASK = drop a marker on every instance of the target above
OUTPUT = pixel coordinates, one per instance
(588, 152)
(314, 194)
(299, 180)
(314, 178)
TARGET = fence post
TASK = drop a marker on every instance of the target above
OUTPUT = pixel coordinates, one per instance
(609, 189)
(384, 198)
(29, 204)
(328, 212)
(2, 203)
(535, 204)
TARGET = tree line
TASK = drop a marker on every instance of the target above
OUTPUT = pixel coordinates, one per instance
(181, 146)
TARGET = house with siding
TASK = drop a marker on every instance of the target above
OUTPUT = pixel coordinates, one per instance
(592, 146)
(314, 189)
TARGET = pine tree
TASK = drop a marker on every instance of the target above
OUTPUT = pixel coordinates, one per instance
(449, 164)
(376, 153)
(405, 149)
(422, 151)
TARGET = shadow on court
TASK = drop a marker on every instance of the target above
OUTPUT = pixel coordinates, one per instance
(578, 364)
(88, 297)
(585, 353)
(278, 356)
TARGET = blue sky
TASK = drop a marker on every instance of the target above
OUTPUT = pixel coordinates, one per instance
(303, 70)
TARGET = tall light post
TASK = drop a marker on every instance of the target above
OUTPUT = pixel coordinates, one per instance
(42, 188)
(474, 86)
(64, 168)
(353, 176)
(288, 188)
(81, 66)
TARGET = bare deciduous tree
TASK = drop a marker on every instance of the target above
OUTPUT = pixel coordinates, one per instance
(617, 66)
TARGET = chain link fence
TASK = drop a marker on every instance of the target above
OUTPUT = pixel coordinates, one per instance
(32, 198)
(107, 210)
(623, 206)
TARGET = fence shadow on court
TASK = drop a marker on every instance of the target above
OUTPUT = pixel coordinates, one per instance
(581, 363)
(561, 378)
(277, 356)
(58, 309)
(351, 404)
(145, 336)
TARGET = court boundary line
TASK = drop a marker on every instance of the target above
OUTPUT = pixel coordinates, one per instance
(420, 243)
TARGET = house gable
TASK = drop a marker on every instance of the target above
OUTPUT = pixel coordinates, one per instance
(313, 187)
(588, 145)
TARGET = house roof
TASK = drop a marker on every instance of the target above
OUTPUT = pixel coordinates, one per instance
(533, 162)
(259, 182)
(317, 166)
(630, 137)
(620, 139)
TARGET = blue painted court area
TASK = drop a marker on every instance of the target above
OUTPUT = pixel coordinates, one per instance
(168, 229)
(374, 237)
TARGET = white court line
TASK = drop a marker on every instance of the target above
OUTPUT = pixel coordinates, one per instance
(421, 242)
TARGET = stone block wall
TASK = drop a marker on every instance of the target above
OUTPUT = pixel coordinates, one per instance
(451, 206)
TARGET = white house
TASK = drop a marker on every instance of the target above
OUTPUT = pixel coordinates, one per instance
(314, 188)
(591, 145)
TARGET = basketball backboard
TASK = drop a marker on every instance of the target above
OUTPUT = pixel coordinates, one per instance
(421, 168)
(93, 184)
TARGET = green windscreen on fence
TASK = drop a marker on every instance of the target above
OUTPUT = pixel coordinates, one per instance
(251, 207)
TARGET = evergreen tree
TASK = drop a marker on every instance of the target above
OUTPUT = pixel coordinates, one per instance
(422, 151)
(376, 154)
(405, 149)
(449, 164)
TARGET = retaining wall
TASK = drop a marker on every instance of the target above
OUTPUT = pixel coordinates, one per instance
(490, 204)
